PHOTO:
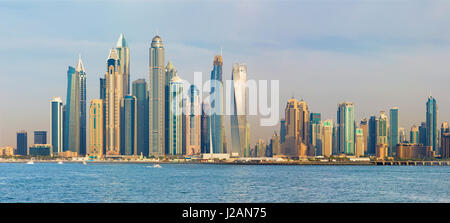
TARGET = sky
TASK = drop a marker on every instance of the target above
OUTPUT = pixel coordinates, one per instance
(376, 54)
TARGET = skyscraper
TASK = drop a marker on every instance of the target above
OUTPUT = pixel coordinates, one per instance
(414, 135)
(444, 129)
(275, 144)
(372, 140)
(364, 125)
(192, 123)
(103, 98)
(346, 126)
(282, 130)
(316, 132)
(76, 104)
(175, 116)
(40, 137)
(129, 126)
(423, 133)
(205, 146)
(401, 136)
(216, 107)
(394, 129)
(238, 119)
(56, 125)
(382, 129)
(124, 56)
(140, 91)
(96, 128)
(157, 111)
(170, 72)
(82, 74)
(359, 142)
(431, 121)
(22, 145)
(327, 138)
(113, 79)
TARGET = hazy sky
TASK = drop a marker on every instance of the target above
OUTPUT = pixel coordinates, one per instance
(377, 54)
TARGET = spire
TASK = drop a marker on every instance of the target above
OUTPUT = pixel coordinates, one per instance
(170, 66)
(121, 42)
(113, 54)
(80, 66)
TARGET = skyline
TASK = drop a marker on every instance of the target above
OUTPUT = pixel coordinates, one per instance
(317, 66)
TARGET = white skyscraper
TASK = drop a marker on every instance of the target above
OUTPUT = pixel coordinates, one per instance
(239, 131)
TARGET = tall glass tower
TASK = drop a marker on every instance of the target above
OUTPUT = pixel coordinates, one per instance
(114, 97)
(394, 130)
(82, 74)
(129, 124)
(157, 111)
(175, 117)
(124, 56)
(346, 128)
(140, 91)
(239, 141)
(56, 124)
(431, 123)
(73, 109)
(216, 108)
(22, 143)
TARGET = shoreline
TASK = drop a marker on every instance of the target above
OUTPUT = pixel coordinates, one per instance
(294, 163)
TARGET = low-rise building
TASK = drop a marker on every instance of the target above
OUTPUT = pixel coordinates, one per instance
(413, 151)
(40, 150)
(7, 151)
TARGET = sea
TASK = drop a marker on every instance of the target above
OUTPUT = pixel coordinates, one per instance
(122, 182)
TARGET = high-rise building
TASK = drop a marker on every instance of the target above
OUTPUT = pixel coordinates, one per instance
(423, 133)
(22, 145)
(103, 98)
(327, 138)
(96, 128)
(65, 128)
(359, 142)
(414, 135)
(56, 125)
(170, 72)
(393, 130)
(364, 125)
(192, 122)
(238, 120)
(445, 146)
(157, 113)
(216, 107)
(316, 132)
(76, 109)
(372, 139)
(275, 144)
(382, 129)
(40, 137)
(282, 130)
(129, 126)
(124, 57)
(261, 148)
(113, 79)
(444, 129)
(346, 125)
(402, 135)
(205, 146)
(140, 91)
(175, 116)
(82, 74)
(432, 124)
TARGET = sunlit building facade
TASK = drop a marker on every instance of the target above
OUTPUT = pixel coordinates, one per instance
(238, 119)
(56, 125)
(96, 128)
